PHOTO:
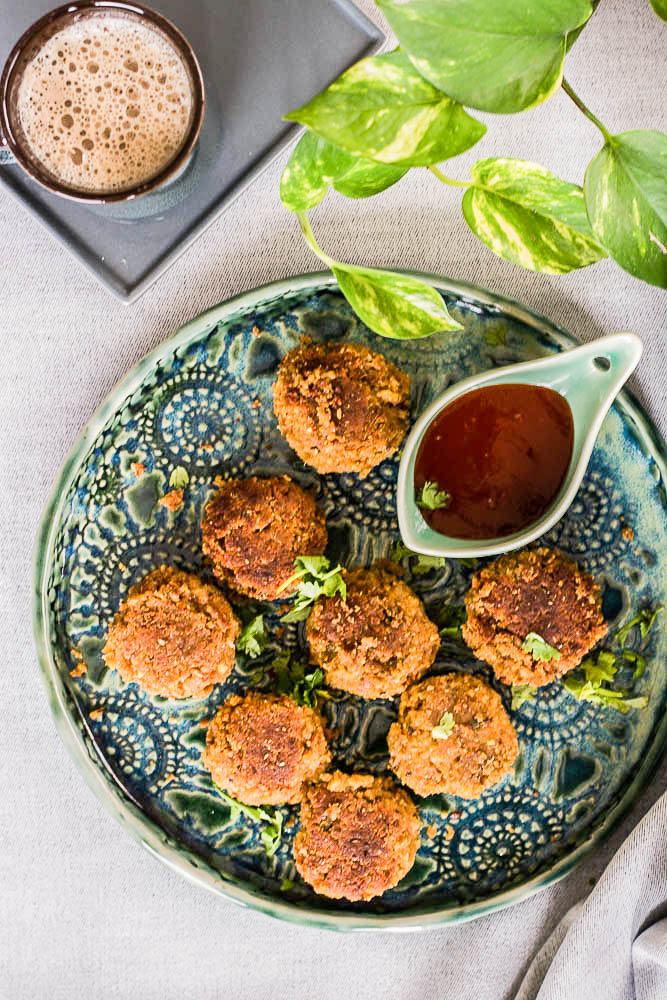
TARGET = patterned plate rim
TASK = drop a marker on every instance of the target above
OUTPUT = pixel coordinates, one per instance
(77, 737)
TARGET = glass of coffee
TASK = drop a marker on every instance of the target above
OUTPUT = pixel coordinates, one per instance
(101, 101)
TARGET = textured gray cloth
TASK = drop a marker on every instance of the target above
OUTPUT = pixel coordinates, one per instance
(84, 911)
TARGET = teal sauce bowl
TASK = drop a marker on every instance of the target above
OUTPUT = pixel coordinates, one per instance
(589, 377)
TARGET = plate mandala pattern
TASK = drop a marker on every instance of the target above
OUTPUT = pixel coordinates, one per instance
(204, 401)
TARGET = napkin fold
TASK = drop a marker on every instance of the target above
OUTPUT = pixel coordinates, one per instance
(613, 945)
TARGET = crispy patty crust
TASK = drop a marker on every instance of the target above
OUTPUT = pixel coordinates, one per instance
(537, 590)
(480, 748)
(358, 837)
(263, 748)
(375, 642)
(254, 529)
(174, 635)
(341, 407)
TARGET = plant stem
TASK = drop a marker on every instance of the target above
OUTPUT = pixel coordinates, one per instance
(582, 107)
(310, 237)
(448, 180)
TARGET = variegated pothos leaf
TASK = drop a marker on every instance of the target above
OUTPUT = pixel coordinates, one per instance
(626, 197)
(382, 109)
(528, 216)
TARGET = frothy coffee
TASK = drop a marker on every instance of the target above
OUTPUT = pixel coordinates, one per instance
(106, 104)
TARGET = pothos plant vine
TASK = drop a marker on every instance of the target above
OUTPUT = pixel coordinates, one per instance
(405, 109)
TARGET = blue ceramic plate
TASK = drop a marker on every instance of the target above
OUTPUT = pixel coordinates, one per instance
(203, 400)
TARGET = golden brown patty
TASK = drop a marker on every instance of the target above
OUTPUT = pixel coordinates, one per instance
(358, 837)
(376, 641)
(540, 591)
(342, 407)
(263, 748)
(254, 529)
(479, 750)
(174, 635)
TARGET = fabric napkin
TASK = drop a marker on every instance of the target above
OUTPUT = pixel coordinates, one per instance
(613, 945)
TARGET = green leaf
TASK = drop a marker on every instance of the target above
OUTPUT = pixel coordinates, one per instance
(432, 498)
(382, 109)
(539, 648)
(394, 305)
(315, 164)
(422, 564)
(179, 478)
(660, 7)
(444, 728)
(602, 668)
(449, 618)
(522, 693)
(528, 216)
(625, 187)
(644, 619)
(495, 55)
(253, 637)
(271, 835)
(316, 580)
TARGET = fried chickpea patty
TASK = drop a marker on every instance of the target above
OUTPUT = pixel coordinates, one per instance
(541, 591)
(174, 635)
(341, 407)
(263, 748)
(480, 748)
(358, 837)
(254, 529)
(376, 641)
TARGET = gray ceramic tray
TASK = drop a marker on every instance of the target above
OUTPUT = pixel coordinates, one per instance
(259, 59)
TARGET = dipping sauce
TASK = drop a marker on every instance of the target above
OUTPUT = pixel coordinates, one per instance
(501, 452)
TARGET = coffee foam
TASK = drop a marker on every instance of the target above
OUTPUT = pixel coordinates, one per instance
(105, 104)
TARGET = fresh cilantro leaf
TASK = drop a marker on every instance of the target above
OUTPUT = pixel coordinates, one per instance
(432, 498)
(586, 682)
(179, 478)
(444, 728)
(253, 637)
(644, 619)
(522, 693)
(292, 676)
(422, 564)
(539, 647)
(639, 661)
(271, 835)
(449, 618)
(316, 579)
(469, 562)
(286, 885)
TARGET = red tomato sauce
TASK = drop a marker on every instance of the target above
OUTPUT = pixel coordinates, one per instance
(502, 453)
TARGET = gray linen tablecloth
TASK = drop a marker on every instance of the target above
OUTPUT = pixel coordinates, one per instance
(84, 911)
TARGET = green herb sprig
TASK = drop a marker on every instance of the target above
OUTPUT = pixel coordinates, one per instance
(449, 618)
(539, 648)
(292, 676)
(316, 580)
(418, 563)
(587, 684)
(444, 728)
(271, 834)
(522, 693)
(253, 638)
(431, 497)
(406, 109)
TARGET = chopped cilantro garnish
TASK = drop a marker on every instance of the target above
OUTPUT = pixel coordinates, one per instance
(539, 647)
(449, 618)
(632, 656)
(271, 834)
(315, 580)
(432, 498)
(522, 693)
(422, 564)
(589, 686)
(292, 676)
(253, 637)
(179, 478)
(286, 885)
(644, 619)
(444, 728)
